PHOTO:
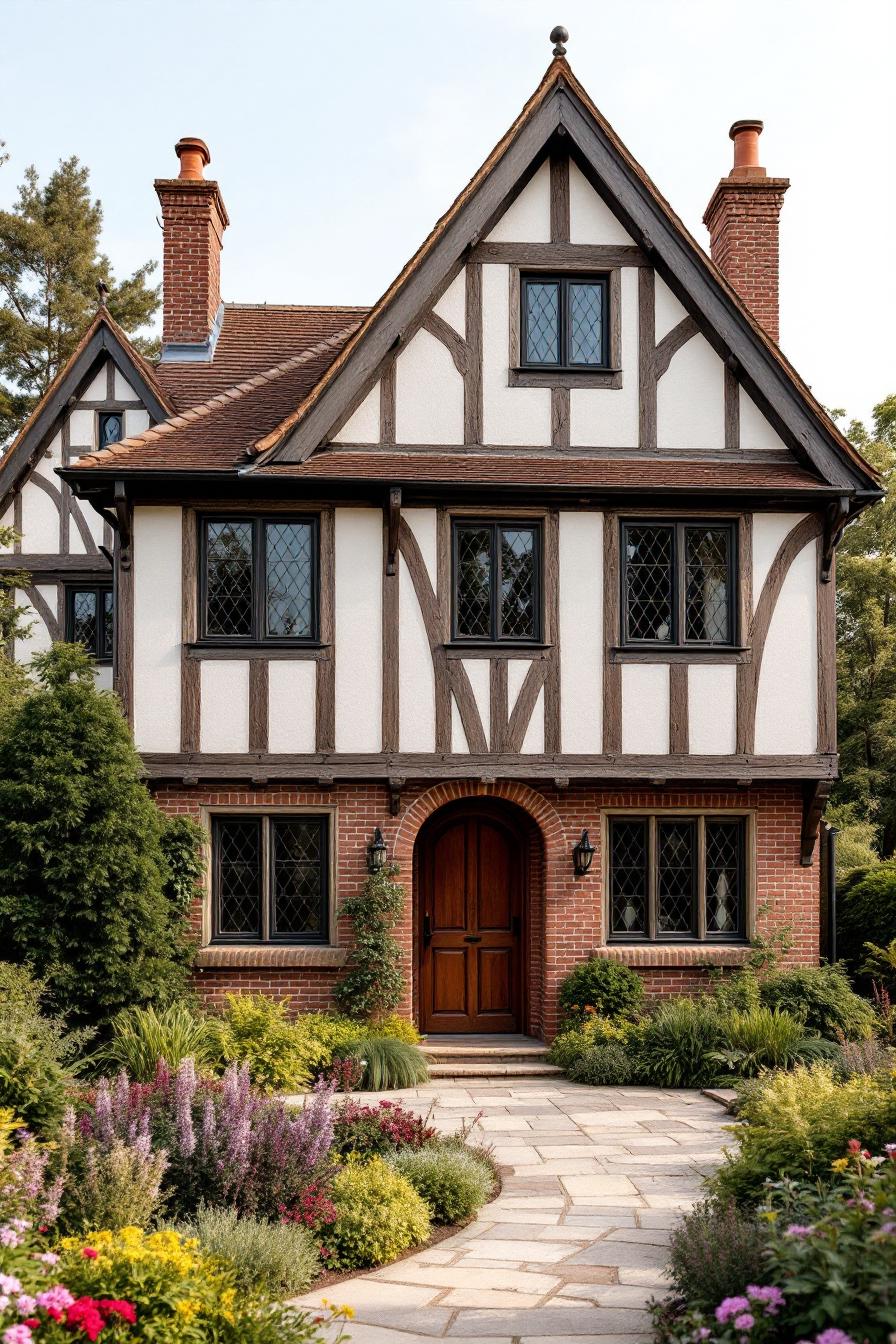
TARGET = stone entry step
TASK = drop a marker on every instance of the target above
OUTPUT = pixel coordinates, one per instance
(475, 1056)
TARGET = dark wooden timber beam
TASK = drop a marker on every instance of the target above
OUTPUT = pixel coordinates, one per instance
(815, 796)
(393, 522)
(835, 520)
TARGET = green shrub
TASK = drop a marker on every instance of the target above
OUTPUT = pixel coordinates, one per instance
(823, 998)
(577, 1041)
(83, 876)
(269, 1260)
(454, 1181)
(115, 1186)
(37, 1055)
(866, 911)
(766, 1038)
(714, 1251)
(606, 988)
(374, 984)
(143, 1036)
(609, 1065)
(402, 1028)
(678, 1044)
(390, 1064)
(798, 1123)
(868, 1057)
(254, 1030)
(378, 1216)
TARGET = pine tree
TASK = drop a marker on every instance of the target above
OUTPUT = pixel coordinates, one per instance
(50, 264)
(85, 888)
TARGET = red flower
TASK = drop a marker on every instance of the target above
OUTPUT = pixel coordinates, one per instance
(54, 1313)
(89, 1253)
(32, 1322)
(854, 1146)
(85, 1313)
(116, 1306)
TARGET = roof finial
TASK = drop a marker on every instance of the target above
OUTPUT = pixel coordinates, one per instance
(103, 290)
(559, 35)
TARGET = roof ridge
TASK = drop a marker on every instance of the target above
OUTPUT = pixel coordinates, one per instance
(212, 404)
(302, 307)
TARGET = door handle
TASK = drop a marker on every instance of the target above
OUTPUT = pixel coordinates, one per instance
(427, 929)
(472, 937)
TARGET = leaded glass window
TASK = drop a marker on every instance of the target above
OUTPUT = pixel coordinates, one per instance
(678, 582)
(497, 570)
(564, 322)
(89, 619)
(270, 878)
(259, 579)
(677, 878)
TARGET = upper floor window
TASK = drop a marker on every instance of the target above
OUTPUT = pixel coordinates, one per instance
(270, 878)
(678, 583)
(497, 582)
(111, 428)
(259, 579)
(673, 877)
(564, 322)
(89, 619)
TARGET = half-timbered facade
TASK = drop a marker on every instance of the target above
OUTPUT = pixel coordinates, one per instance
(542, 544)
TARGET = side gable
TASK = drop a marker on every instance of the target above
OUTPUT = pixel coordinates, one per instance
(514, 193)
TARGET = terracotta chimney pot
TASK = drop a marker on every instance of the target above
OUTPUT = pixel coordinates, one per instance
(194, 156)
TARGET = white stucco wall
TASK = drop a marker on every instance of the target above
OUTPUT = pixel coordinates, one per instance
(452, 306)
(40, 520)
(363, 426)
(38, 638)
(479, 672)
(135, 422)
(96, 389)
(769, 531)
(292, 703)
(668, 312)
(82, 429)
(158, 601)
(123, 389)
(458, 736)
(511, 415)
(359, 623)
(533, 741)
(645, 708)
(690, 398)
(712, 708)
(786, 706)
(416, 692)
(755, 430)
(608, 417)
(528, 219)
(429, 394)
(581, 631)
(224, 721)
(590, 219)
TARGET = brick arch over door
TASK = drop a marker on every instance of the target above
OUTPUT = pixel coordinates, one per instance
(552, 895)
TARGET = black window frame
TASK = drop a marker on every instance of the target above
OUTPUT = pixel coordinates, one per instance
(101, 658)
(258, 636)
(267, 936)
(698, 933)
(679, 528)
(102, 416)
(564, 280)
(494, 637)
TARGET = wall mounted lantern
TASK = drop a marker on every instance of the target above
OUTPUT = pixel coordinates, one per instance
(582, 855)
(376, 852)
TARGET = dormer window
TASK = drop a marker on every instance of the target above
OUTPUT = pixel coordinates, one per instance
(564, 322)
(111, 428)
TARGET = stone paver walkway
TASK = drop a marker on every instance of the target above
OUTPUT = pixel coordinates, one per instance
(575, 1244)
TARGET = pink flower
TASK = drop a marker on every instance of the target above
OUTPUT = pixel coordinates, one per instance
(55, 1299)
(731, 1307)
(833, 1336)
(799, 1230)
(49, 1258)
(10, 1284)
(744, 1321)
(25, 1305)
(17, 1334)
(89, 1253)
(9, 1237)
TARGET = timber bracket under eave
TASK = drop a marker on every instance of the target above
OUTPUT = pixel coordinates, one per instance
(835, 519)
(119, 519)
(393, 520)
(815, 797)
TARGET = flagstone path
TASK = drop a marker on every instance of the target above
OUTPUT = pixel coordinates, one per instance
(575, 1244)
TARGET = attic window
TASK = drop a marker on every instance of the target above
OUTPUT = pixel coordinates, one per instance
(111, 428)
(564, 322)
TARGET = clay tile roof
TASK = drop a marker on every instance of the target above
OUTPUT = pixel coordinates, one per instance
(217, 434)
(253, 337)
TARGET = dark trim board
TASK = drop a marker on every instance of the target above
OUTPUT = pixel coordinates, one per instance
(54, 566)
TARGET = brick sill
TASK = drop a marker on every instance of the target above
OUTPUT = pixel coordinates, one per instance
(320, 958)
(711, 954)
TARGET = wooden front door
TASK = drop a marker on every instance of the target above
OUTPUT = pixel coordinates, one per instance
(471, 876)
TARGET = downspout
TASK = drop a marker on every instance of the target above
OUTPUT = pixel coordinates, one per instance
(830, 844)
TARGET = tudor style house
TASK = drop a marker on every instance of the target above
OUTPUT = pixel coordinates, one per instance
(522, 579)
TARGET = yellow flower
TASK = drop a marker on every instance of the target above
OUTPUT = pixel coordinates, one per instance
(187, 1308)
(840, 1164)
(769, 1215)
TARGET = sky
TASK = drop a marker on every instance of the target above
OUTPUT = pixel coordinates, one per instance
(340, 132)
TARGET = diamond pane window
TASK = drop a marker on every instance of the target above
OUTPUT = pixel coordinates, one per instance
(497, 574)
(259, 579)
(628, 876)
(270, 878)
(298, 878)
(724, 865)
(89, 619)
(238, 877)
(676, 861)
(649, 553)
(564, 322)
(289, 576)
(111, 428)
(707, 601)
(586, 324)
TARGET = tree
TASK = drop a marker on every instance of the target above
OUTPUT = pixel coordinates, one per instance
(13, 625)
(86, 894)
(50, 264)
(866, 635)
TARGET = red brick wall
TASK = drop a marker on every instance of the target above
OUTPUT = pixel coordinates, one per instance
(193, 221)
(742, 219)
(565, 914)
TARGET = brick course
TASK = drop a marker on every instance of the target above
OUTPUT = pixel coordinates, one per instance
(565, 914)
(742, 219)
(193, 224)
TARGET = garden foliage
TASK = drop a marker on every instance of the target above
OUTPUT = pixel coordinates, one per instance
(453, 1180)
(270, 1260)
(600, 986)
(378, 1216)
(374, 984)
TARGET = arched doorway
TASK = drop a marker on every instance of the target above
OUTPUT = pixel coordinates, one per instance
(472, 876)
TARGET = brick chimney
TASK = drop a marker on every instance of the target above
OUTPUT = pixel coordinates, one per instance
(193, 221)
(742, 219)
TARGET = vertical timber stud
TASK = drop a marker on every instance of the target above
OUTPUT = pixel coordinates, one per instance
(258, 704)
(124, 609)
(678, 709)
(391, 579)
(552, 631)
(387, 402)
(560, 398)
(826, 633)
(612, 727)
(443, 605)
(473, 331)
(732, 405)
(325, 714)
(646, 348)
(190, 668)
